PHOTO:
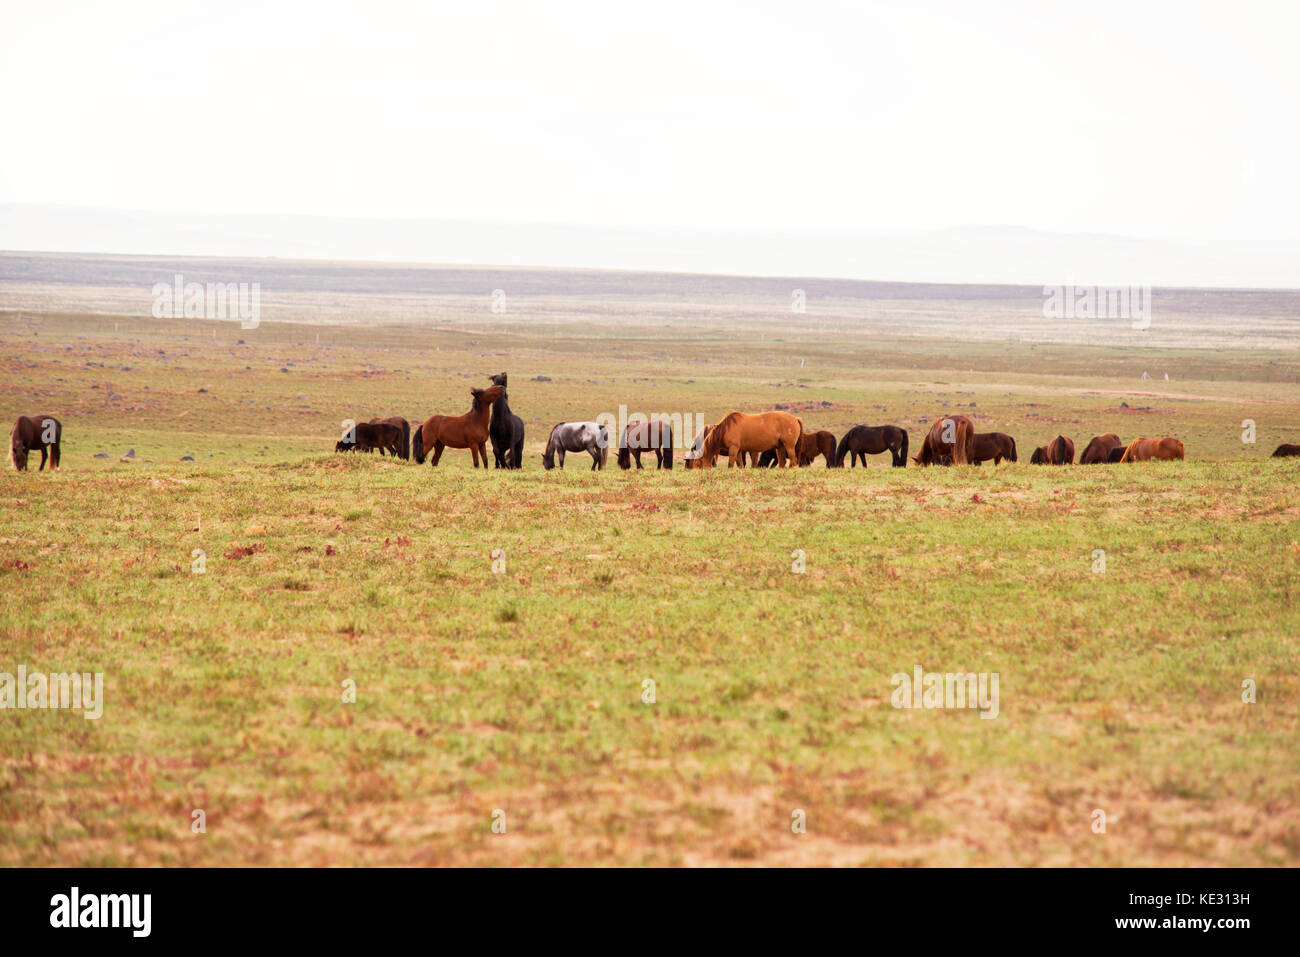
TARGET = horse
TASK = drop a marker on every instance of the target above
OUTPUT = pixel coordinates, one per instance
(741, 432)
(1285, 451)
(468, 431)
(811, 445)
(368, 436)
(935, 447)
(403, 443)
(506, 430)
(43, 432)
(1141, 450)
(992, 445)
(590, 437)
(649, 436)
(1098, 449)
(1059, 451)
(1116, 454)
(863, 440)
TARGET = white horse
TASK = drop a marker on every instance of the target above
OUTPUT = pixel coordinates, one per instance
(591, 437)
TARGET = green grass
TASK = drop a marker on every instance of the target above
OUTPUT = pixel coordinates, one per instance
(521, 690)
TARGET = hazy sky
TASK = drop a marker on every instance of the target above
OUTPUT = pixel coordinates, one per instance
(1173, 120)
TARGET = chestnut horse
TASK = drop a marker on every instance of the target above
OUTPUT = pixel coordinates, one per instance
(1141, 450)
(1285, 451)
(992, 445)
(650, 436)
(863, 440)
(468, 431)
(1059, 451)
(741, 432)
(948, 442)
(43, 432)
(811, 445)
(1098, 449)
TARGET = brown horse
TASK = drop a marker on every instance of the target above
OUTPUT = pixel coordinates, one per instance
(649, 436)
(1059, 451)
(1142, 450)
(992, 445)
(369, 436)
(811, 445)
(43, 432)
(948, 442)
(403, 440)
(1286, 451)
(1098, 449)
(863, 440)
(468, 431)
(739, 433)
(1115, 454)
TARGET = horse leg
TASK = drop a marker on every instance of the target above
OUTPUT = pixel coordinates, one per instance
(44, 456)
(594, 451)
(437, 452)
(637, 455)
(734, 457)
(560, 453)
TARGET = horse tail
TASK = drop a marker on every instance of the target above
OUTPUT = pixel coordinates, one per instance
(902, 449)
(1013, 448)
(842, 448)
(624, 452)
(666, 441)
(417, 445)
(405, 450)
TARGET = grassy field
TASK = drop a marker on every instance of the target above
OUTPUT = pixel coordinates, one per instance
(520, 687)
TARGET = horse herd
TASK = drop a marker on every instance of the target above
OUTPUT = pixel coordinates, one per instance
(764, 439)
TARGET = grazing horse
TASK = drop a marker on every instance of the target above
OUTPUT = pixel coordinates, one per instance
(1286, 451)
(1116, 454)
(468, 431)
(1098, 449)
(368, 436)
(650, 436)
(1059, 451)
(403, 450)
(992, 445)
(811, 445)
(740, 432)
(863, 440)
(948, 442)
(506, 430)
(590, 437)
(43, 432)
(1142, 450)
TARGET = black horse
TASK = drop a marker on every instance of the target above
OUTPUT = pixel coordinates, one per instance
(506, 431)
(864, 440)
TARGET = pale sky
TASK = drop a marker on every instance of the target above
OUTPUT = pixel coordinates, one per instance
(1176, 120)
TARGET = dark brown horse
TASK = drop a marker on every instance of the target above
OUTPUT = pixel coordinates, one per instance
(1098, 449)
(992, 445)
(369, 436)
(1059, 451)
(647, 436)
(948, 442)
(403, 439)
(43, 432)
(863, 440)
(506, 430)
(811, 445)
(468, 431)
(1116, 454)
(1286, 451)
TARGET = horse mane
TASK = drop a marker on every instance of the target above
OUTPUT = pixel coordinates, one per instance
(713, 442)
